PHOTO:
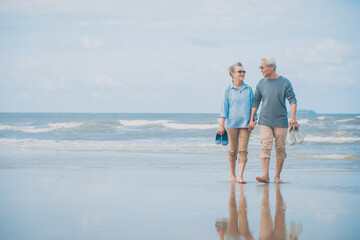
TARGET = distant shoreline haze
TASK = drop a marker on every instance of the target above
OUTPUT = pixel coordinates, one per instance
(298, 112)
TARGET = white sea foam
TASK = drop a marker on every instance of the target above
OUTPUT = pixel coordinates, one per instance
(122, 123)
(322, 117)
(50, 127)
(345, 120)
(166, 124)
(139, 123)
(304, 121)
(149, 145)
(181, 126)
(55, 126)
(331, 139)
(349, 127)
(4, 127)
(29, 129)
(310, 123)
(334, 156)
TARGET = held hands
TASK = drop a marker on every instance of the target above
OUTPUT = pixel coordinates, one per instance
(252, 124)
(250, 127)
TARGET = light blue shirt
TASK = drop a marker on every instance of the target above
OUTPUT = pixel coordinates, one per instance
(236, 105)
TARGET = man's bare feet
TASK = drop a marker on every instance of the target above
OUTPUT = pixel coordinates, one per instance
(241, 181)
(278, 180)
(233, 179)
(262, 179)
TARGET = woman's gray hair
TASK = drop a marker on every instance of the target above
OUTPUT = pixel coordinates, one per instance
(232, 67)
(269, 61)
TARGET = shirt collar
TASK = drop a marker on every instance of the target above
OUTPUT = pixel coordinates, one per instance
(242, 87)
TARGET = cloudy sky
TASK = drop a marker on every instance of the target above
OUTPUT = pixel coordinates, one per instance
(173, 55)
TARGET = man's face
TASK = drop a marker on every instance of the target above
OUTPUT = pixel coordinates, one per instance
(265, 70)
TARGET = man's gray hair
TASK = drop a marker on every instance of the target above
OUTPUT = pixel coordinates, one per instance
(269, 61)
(232, 67)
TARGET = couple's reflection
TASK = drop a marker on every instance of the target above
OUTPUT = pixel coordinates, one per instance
(237, 225)
(269, 230)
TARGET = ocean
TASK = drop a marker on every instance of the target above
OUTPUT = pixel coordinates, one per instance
(327, 136)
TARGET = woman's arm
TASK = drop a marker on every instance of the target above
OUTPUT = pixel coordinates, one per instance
(221, 129)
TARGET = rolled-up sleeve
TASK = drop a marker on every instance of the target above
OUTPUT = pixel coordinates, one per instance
(289, 93)
(257, 98)
(225, 105)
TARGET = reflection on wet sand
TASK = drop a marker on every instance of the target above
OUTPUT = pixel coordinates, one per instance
(237, 225)
(267, 229)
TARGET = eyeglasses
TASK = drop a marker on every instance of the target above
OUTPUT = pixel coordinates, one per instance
(241, 72)
(261, 67)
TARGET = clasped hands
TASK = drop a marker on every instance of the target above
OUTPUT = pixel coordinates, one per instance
(251, 125)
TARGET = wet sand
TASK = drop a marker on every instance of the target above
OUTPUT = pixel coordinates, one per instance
(165, 196)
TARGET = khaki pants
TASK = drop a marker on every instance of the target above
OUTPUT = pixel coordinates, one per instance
(238, 141)
(267, 135)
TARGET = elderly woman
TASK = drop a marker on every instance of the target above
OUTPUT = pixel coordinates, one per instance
(236, 110)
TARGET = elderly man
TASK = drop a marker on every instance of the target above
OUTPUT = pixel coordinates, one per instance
(272, 91)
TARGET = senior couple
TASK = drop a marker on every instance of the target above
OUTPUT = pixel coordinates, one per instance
(239, 109)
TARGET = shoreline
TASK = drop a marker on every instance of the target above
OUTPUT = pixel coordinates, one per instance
(87, 203)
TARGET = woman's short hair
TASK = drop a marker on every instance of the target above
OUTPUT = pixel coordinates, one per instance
(232, 67)
(269, 61)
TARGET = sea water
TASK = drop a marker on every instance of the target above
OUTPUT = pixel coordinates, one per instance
(327, 136)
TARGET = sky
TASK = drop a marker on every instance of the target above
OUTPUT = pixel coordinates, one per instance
(172, 56)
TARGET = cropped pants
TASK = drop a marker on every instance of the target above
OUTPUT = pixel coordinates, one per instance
(238, 141)
(267, 135)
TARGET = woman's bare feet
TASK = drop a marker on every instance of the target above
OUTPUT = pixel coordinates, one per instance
(241, 181)
(233, 179)
(278, 180)
(262, 179)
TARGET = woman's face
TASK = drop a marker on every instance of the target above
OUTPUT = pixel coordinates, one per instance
(238, 74)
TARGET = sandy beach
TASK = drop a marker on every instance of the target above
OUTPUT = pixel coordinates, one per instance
(89, 195)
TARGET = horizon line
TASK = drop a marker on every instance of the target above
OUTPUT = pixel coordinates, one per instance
(37, 112)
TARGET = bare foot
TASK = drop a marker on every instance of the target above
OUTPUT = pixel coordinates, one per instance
(233, 179)
(277, 180)
(262, 179)
(241, 181)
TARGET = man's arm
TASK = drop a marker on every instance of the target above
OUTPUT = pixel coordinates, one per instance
(293, 122)
(254, 107)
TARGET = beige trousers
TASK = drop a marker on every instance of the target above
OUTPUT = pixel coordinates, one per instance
(267, 135)
(238, 141)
